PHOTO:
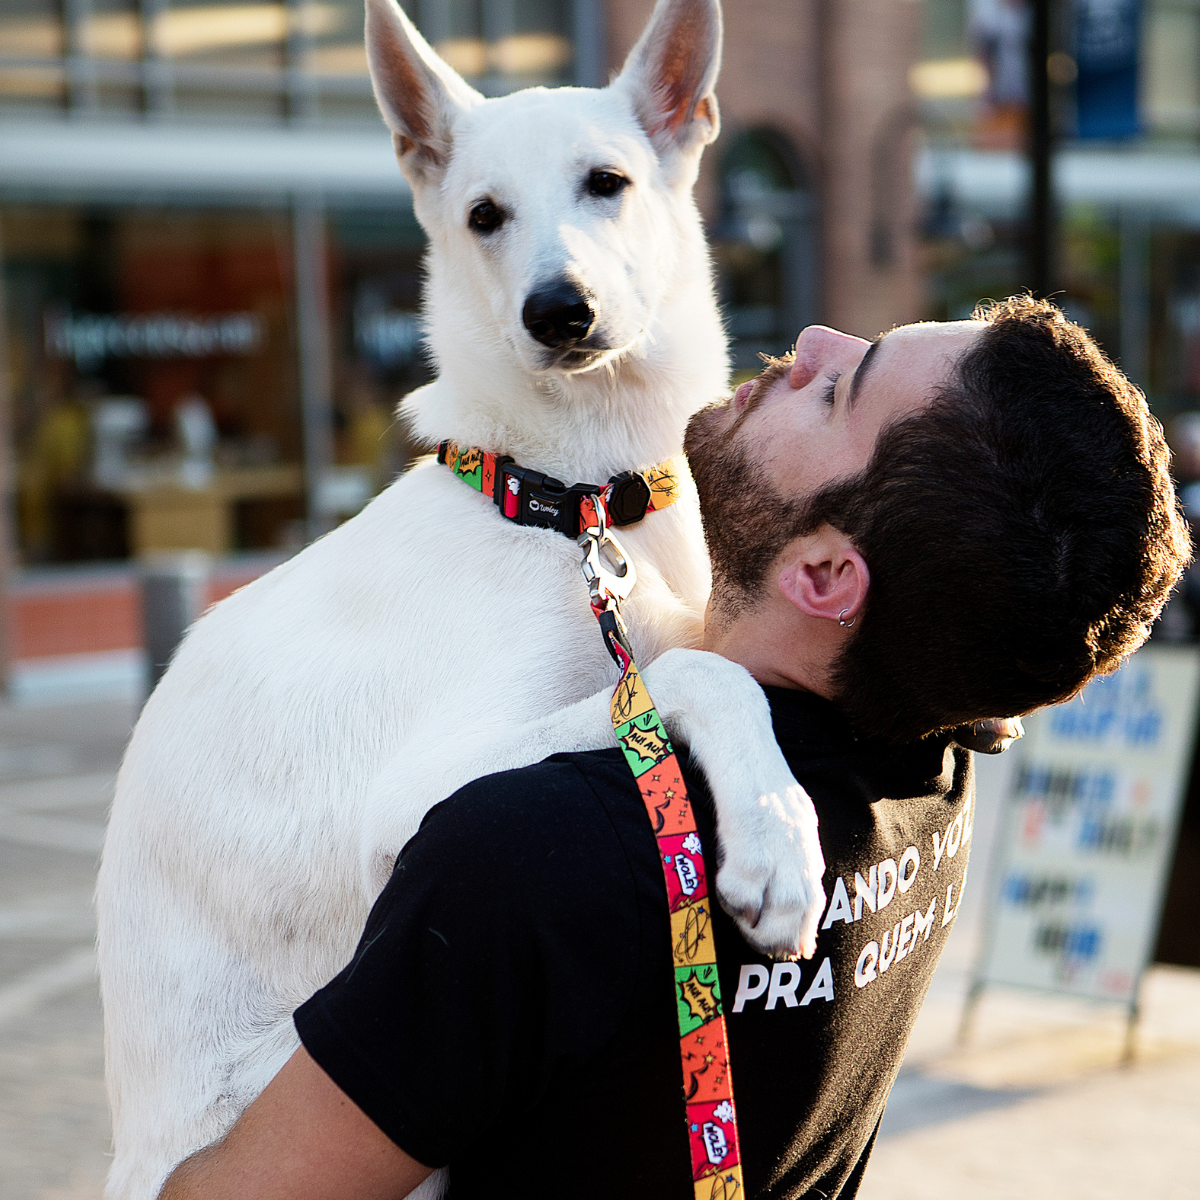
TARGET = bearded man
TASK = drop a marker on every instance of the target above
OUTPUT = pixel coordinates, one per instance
(954, 522)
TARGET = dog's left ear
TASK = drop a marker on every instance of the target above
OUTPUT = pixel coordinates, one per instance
(419, 93)
(671, 74)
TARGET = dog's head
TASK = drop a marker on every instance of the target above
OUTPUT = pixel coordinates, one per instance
(554, 215)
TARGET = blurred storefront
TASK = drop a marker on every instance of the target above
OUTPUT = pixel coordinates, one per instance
(156, 375)
(1125, 91)
(766, 245)
(1126, 174)
(211, 266)
(211, 269)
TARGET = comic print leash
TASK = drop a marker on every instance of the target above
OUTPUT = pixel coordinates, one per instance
(586, 512)
(703, 1039)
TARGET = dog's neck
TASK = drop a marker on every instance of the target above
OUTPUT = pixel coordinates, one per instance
(583, 427)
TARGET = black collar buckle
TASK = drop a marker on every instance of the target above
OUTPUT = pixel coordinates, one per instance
(532, 498)
(535, 499)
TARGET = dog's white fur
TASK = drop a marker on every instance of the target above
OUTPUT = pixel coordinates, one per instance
(309, 721)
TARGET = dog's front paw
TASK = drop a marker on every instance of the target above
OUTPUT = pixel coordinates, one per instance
(770, 879)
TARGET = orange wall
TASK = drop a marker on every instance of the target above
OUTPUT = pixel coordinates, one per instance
(82, 616)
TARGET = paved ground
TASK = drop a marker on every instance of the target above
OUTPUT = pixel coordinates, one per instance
(56, 772)
(1039, 1107)
(1036, 1107)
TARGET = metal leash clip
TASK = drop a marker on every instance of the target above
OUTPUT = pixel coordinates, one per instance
(600, 549)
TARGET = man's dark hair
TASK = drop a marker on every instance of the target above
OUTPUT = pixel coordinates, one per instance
(1021, 532)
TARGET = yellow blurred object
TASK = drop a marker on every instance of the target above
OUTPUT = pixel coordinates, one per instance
(184, 31)
(364, 440)
(169, 517)
(948, 79)
(525, 53)
(56, 456)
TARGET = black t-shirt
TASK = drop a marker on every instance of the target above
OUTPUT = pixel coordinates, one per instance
(510, 1010)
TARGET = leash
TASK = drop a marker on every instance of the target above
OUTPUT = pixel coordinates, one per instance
(585, 512)
(531, 498)
(703, 1039)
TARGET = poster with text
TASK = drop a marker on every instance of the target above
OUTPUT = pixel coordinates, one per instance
(1089, 828)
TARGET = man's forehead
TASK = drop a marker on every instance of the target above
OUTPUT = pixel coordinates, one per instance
(931, 333)
(933, 347)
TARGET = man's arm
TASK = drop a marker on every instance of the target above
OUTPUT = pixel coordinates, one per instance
(302, 1139)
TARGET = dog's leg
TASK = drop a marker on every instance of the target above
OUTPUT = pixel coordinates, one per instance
(771, 861)
(770, 877)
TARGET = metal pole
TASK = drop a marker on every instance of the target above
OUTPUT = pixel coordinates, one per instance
(436, 22)
(158, 93)
(82, 92)
(314, 330)
(300, 100)
(966, 1024)
(174, 594)
(591, 43)
(1135, 296)
(1040, 269)
(1129, 1056)
(7, 540)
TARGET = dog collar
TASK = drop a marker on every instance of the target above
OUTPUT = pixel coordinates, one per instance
(528, 497)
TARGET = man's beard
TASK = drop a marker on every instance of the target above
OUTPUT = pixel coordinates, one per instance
(746, 522)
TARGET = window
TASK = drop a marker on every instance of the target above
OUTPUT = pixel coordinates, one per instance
(262, 59)
(765, 247)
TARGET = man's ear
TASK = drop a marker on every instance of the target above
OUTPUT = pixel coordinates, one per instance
(418, 92)
(826, 577)
(671, 73)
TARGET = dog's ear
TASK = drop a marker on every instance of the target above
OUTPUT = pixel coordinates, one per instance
(672, 71)
(417, 91)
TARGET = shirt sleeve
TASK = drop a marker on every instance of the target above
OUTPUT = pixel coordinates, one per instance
(463, 997)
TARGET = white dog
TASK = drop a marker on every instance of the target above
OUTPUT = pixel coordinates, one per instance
(309, 721)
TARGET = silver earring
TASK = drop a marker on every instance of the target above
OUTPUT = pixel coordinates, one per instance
(842, 619)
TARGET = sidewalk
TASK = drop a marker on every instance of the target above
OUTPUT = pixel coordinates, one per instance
(1038, 1105)
(1035, 1108)
(77, 631)
(56, 772)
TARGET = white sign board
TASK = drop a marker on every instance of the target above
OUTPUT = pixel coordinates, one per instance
(1088, 830)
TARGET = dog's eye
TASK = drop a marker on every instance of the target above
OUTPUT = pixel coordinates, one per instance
(605, 183)
(486, 217)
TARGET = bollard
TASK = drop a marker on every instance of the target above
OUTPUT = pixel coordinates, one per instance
(174, 591)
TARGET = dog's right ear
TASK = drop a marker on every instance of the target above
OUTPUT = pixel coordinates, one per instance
(417, 91)
(671, 75)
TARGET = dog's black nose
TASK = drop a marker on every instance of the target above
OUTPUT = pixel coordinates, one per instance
(558, 315)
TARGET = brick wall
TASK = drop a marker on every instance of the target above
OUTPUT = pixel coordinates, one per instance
(832, 75)
(867, 145)
(89, 610)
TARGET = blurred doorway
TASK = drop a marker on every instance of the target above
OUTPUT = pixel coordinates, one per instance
(766, 246)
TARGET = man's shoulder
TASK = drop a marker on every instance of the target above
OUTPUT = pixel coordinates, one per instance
(526, 795)
(567, 808)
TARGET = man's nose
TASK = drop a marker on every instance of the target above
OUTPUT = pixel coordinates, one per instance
(819, 348)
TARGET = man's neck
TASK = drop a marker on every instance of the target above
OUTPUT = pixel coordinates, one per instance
(779, 646)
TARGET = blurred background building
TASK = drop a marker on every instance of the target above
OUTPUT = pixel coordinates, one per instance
(209, 307)
(1127, 175)
(211, 269)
